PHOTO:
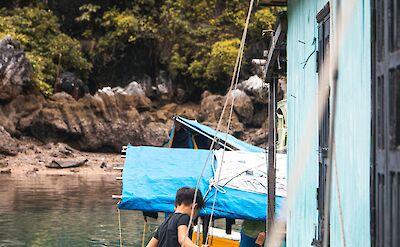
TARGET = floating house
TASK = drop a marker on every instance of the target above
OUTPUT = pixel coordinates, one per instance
(363, 113)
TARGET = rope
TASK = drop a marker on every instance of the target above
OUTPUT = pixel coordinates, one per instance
(235, 77)
(144, 233)
(339, 200)
(241, 51)
(119, 226)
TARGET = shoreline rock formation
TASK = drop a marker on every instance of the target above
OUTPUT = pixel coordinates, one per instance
(114, 117)
(15, 69)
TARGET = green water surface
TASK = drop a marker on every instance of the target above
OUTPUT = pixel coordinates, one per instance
(38, 210)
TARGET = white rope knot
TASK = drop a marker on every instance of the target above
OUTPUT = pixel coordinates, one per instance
(214, 183)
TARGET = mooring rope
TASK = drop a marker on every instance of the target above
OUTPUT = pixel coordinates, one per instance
(234, 79)
(144, 232)
(119, 226)
(241, 51)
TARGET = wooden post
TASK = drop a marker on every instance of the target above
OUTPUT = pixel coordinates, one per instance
(271, 152)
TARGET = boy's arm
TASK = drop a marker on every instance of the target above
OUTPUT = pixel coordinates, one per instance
(153, 242)
(182, 230)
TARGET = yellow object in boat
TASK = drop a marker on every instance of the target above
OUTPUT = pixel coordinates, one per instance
(218, 238)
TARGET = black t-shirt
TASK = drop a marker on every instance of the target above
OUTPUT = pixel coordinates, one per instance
(167, 232)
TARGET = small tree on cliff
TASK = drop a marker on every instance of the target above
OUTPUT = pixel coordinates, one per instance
(45, 45)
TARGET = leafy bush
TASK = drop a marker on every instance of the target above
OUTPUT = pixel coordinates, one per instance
(39, 32)
(196, 41)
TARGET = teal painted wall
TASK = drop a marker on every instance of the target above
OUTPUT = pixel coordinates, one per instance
(352, 125)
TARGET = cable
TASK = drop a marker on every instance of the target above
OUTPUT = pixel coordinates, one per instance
(119, 226)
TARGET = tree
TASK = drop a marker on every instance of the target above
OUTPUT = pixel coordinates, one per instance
(45, 45)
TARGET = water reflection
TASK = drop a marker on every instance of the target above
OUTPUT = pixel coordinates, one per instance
(65, 211)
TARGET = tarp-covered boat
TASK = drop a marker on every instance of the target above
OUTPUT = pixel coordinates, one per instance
(152, 175)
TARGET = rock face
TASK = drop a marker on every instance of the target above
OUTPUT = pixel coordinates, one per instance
(8, 145)
(106, 120)
(15, 69)
(211, 110)
(17, 116)
(243, 106)
(254, 86)
(113, 117)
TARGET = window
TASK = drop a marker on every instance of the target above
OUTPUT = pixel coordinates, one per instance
(323, 19)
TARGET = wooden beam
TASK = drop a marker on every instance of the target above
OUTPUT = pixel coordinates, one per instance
(118, 178)
(271, 153)
(277, 40)
(119, 168)
(117, 197)
(273, 2)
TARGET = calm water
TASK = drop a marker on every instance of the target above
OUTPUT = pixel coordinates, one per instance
(65, 211)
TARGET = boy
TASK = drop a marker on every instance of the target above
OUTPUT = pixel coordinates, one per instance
(172, 232)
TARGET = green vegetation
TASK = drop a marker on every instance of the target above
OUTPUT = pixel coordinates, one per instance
(39, 32)
(108, 42)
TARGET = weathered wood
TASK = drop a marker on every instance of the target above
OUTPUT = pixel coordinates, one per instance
(277, 40)
(257, 61)
(273, 2)
(116, 197)
(60, 164)
(273, 53)
(271, 153)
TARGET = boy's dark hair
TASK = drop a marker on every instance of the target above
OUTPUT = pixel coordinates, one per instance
(185, 196)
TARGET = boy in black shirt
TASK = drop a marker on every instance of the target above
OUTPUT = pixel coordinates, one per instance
(172, 232)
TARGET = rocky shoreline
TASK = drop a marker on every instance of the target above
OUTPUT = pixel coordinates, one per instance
(33, 157)
(35, 130)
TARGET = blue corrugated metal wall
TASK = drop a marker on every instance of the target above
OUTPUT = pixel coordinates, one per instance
(352, 125)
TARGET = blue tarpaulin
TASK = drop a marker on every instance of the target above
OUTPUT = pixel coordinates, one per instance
(152, 176)
(209, 132)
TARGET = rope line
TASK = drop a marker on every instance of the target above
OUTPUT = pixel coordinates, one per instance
(241, 51)
(144, 232)
(339, 200)
(235, 77)
(119, 226)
